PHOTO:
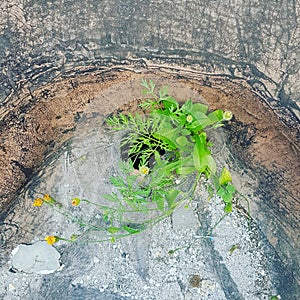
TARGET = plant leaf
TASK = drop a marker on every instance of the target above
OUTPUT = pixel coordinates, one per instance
(113, 229)
(131, 230)
(159, 200)
(230, 188)
(200, 123)
(187, 107)
(169, 102)
(182, 170)
(225, 176)
(202, 157)
(226, 193)
(199, 107)
(216, 116)
(166, 140)
(227, 197)
(182, 141)
(171, 196)
(211, 164)
(228, 207)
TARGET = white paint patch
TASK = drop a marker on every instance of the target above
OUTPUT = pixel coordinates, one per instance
(39, 258)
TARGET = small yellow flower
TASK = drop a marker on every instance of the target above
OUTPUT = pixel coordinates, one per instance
(51, 239)
(75, 201)
(189, 119)
(38, 202)
(227, 115)
(144, 170)
(48, 198)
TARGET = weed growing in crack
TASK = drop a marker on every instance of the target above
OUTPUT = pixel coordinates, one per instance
(167, 154)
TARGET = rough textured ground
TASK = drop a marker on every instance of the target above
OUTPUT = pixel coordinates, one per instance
(257, 137)
(258, 40)
(203, 264)
(243, 54)
(253, 120)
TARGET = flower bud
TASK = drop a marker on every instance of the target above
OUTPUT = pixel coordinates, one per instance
(227, 115)
(51, 239)
(144, 170)
(48, 198)
(189, 119)
(75, 201)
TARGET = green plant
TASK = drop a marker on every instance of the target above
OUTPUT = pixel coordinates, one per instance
(178, 131)
(167, 153)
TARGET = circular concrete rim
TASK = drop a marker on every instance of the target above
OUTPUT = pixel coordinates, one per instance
(43, 120)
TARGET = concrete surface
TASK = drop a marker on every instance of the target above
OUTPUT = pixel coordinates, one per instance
(257, 41)
(202, 265)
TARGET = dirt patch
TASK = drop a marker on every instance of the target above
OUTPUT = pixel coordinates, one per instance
(259, 140)
(42, 122)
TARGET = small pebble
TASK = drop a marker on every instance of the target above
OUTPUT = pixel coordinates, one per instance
(11, 287)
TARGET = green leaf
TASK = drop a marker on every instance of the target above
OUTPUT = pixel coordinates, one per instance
(182, 170)
(187, 107)
(185, 164)
(233, 248)
(117, 182)
(171, 196)
(149, 85)
(113, 229)
(200, 123)
(199, 107)
(210, 191)
(228, 207)
(200, 116)
(170, 102)
(225, 195)
(225, 176)
(160, 202)
(184, 131)
(166, 140)
(131, 230)
(200, 152)
(163, 92)
(218, 125)
(230, 188)
(173, 251)
(211, 164)
(182, 141)
(276, 297)
(203, 160)
(216, 116)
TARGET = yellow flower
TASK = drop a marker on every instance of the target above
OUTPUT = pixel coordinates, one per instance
(48, 198)
(189, 119)
(144, 170)
(227, 115)
(38, 202)
(51, 239)
(75, 201)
